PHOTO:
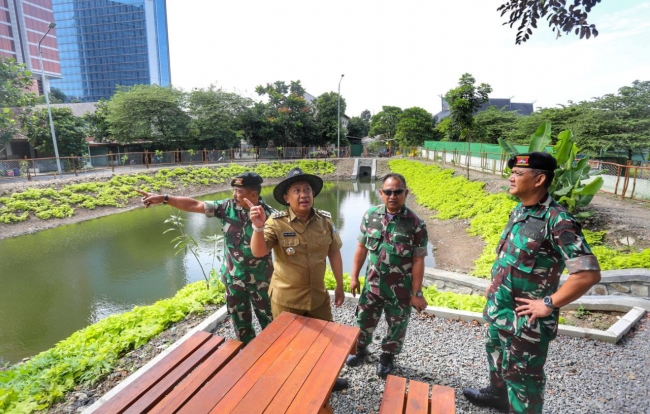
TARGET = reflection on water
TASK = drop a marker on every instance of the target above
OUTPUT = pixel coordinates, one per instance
(58, 281)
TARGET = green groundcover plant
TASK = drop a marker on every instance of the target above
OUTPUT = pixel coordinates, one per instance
(91, 353)
(454, 196)
(47, 203)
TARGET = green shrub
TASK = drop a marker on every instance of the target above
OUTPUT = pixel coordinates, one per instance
(91, 353)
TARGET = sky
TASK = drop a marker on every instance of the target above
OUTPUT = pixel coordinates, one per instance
(404, 53)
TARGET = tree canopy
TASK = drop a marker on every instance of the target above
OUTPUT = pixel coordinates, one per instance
(14, 78)
(464, 101)
(415, 125)
(217, 117)
(70, 132)
(288, 113)
(326, 117)
(149, 113)
(560, 18)
(384, 123)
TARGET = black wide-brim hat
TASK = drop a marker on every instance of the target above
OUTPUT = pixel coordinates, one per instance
(294, 176)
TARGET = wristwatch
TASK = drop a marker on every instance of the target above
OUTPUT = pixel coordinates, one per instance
(549, 302)
(166, 200)
(419, 294)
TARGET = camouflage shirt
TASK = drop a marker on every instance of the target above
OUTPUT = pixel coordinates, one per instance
(237, 231)
(535, 247)
(392, 243)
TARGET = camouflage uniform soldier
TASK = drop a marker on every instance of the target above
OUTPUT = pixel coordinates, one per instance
(246, 277)
(395, 240)
(523, 300)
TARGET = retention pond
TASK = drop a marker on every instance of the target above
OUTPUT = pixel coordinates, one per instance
(58, 281)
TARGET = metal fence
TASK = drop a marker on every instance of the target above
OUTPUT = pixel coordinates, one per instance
(41, 168)
(627, 181)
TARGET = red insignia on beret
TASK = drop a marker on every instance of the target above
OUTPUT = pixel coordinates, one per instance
(238, 181)
(522, 161)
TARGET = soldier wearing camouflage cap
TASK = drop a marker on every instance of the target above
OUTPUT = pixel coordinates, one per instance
(541, 239)
(245, 277)
(395, 240)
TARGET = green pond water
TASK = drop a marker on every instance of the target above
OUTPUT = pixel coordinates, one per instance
(58, 281)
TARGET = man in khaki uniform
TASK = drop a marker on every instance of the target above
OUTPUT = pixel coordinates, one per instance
(301, 239)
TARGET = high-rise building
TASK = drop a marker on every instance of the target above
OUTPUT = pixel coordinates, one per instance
(105, 43)
(22, 25)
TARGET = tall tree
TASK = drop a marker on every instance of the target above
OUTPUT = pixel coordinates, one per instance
(289, 113)
(415, 125)
(494, 123)
(217, 117)
(97, 122)
(70, 132)
(560, 18)
(14, 78)
(327, 122)
(624, 118)
(149, 113)
(384, 123)
(258, 130)
(357, 128)
(464, 101)
(366, 117)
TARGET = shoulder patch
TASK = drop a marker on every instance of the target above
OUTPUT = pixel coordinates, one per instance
(279, 214)
(325, 213)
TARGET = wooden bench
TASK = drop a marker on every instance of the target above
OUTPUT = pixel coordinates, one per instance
(396, 400)
(175, 378)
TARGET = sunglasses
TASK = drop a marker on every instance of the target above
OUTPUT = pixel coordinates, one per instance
(389, 193)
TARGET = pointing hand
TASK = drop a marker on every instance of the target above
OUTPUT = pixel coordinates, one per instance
(257, 214)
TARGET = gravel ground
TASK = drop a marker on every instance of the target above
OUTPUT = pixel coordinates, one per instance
(583, 376)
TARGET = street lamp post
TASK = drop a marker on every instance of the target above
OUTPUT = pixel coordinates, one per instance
(338, 122)
(47, 99)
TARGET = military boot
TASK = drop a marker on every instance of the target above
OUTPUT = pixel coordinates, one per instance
(385, 365)
(488, 397)
(358, 358)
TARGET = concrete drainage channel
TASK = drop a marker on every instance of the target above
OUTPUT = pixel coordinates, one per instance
(635, 307)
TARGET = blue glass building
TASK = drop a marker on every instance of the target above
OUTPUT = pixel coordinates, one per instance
(105, 43)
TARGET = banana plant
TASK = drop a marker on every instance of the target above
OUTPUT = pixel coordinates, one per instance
(567, 186)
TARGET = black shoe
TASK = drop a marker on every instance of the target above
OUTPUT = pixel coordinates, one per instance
(340, 384)
(385, 365)
(358, 358)
(488, 397)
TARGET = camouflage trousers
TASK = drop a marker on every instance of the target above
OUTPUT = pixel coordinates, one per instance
(517, 364)
(240, 296)
(397, 314)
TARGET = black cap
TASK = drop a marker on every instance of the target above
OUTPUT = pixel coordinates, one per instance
(247, 179)
(536, 160)
(295, 176)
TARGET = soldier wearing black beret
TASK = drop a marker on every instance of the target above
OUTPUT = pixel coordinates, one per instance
(246, 277)
(540, 240)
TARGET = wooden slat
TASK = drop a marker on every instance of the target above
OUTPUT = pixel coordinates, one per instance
(186, 389)
(443, 400)
(417, 399)
(393, 400)
(255, 372)
(296, 380)
(310, 398)
(204, 400)
(158, 391)
(262, 393)
(135, 390)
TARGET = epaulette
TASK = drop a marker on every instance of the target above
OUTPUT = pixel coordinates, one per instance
(280, 214)
(325, 213)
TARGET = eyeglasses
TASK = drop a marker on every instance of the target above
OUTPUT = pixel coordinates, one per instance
(397, 192)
